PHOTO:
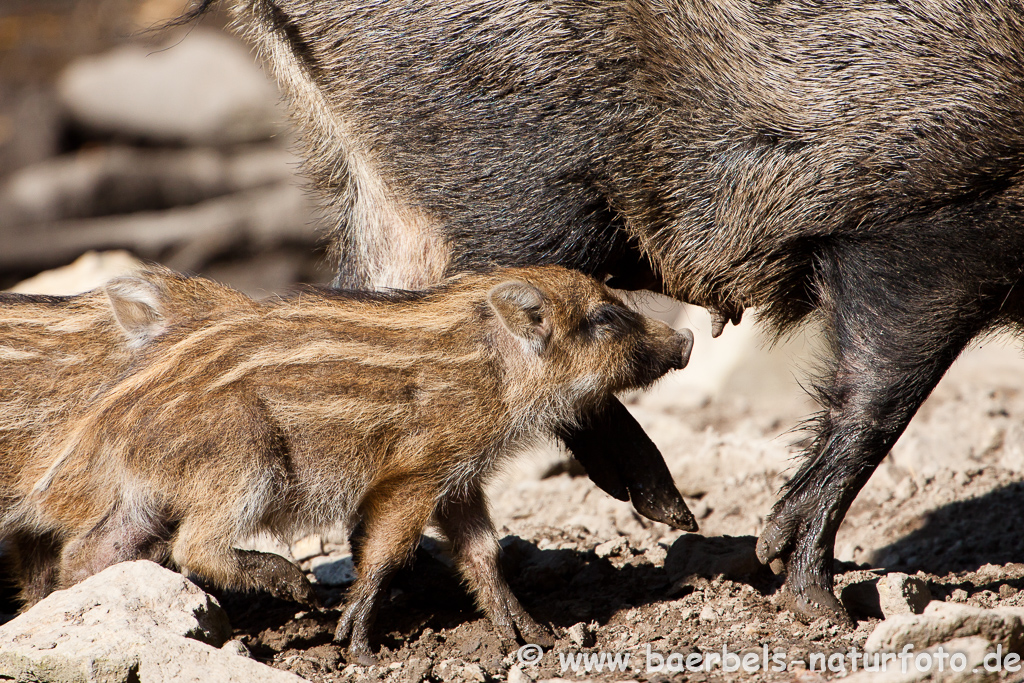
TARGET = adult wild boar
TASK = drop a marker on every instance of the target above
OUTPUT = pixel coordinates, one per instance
(861, 160)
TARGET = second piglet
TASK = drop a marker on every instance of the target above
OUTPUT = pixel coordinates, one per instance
(294, 414)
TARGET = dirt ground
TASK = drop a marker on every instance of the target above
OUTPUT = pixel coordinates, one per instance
(944, 505)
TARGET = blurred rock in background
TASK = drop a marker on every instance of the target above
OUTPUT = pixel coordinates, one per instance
(170, 144)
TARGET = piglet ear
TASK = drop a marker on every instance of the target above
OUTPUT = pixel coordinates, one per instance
(138, 307)
(521, 308)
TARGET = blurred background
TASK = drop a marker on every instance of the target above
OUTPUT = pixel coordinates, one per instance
(167, 145)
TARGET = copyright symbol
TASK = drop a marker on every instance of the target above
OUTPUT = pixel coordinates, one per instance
(530, 654)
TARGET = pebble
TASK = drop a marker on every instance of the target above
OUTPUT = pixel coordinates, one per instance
(581, 635)
(902, 594)
(616, 546)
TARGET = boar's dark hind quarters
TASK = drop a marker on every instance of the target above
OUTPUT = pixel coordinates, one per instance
(859, 160)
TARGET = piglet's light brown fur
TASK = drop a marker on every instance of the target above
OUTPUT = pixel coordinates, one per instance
(295, 414)
(57, 355)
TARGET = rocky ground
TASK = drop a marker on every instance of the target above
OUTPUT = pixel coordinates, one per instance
(933, 532)
(939, 510)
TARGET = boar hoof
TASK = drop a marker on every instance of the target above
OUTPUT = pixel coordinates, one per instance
(814, 602)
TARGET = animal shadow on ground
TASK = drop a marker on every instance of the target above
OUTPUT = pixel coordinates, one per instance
(428, 612)
(963, 535)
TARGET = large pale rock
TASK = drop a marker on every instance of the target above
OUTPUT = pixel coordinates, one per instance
(135, 621)
(88, 271)
(942, 621)
(205, 89)
(938, 665)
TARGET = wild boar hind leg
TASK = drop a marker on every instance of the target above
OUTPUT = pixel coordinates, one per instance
(467, 524)
(120, 536)
(394, 515)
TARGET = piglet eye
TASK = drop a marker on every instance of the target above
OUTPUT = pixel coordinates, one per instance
(610, 319)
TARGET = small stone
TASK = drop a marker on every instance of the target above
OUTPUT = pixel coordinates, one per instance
(517, 675)
(656, 554)
(958, 595)
(1007, 591)
(236, 647)
(417, 669)
(307, 547)
(580, 634)
(473, 672)
(902, 594)
(708, 613)
(616, 546)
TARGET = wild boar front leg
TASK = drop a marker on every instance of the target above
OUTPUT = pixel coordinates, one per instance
(394, 515)
(467, 524)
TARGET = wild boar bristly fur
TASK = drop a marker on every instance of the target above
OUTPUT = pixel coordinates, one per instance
(57, 354)
(858, 160)
(299, 413)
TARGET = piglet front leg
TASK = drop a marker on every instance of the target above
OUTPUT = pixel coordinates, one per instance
(467, 524)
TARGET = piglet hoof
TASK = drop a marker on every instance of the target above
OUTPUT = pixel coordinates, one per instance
(301, 592)
(814, 602)
(341, 633)
(360, 653)
(532, 632)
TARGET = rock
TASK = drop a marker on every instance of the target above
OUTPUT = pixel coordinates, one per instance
(581, 635)
(89, 271)
(656, 555)
(117, 179)
(307, 547)
(135, 621)
(236, 647)
(473, 673)
(902, 594)
(942, 621)
(972, 665)
(333, 571)
(708, 613)
(516, 674)
(728, 556)
(418, 669)
(206, 89)
(616, 546)
(861, 599)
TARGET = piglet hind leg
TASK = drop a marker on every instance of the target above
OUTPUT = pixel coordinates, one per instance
(394, 515)
(119, 536)
(467, 524)
(199, 549)
(898, 318)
